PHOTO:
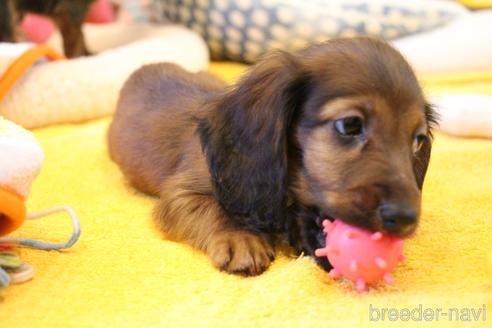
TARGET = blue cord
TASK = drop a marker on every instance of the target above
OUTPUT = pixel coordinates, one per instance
(5, 278)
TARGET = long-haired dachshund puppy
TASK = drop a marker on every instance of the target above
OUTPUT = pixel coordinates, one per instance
(67, 14)
(339, 130)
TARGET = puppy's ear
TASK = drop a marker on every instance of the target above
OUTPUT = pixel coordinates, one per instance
(245, 141)
(423, 155)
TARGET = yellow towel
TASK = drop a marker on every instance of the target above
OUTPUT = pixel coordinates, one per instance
(122, 273)
(469, 82)
(476, 4)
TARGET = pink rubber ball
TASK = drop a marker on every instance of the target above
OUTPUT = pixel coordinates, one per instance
(359, 255)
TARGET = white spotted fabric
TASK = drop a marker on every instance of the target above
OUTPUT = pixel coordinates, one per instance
(244, 30)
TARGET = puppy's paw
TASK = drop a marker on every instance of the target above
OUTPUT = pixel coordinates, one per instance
(240, 252)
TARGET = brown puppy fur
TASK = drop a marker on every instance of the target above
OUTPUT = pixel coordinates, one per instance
(68, 15)
(338, 130)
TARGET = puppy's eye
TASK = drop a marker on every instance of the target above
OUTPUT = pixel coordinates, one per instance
(349, 126)
(418, 142)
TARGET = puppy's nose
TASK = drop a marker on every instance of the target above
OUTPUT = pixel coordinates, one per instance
(397, 218)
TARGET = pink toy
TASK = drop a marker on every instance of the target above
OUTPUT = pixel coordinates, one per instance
(360, 255)
(100, 12)
(37, 28)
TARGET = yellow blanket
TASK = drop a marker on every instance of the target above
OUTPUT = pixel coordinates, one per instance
(122, 273)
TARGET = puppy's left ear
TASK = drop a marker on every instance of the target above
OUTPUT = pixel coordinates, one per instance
(245, 141)
(423, 156)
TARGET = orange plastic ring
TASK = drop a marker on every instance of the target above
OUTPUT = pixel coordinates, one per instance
(22, 64)
(12, 211)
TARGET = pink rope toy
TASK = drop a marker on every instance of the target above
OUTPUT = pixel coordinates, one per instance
(359, 255)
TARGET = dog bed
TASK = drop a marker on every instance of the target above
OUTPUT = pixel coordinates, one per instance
(244, 30)
(463, 46)
(456, 60)
(85, 88)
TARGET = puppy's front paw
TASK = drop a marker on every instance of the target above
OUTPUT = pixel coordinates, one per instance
(240, 252)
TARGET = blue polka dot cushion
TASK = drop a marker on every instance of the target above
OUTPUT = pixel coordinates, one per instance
(243, 30)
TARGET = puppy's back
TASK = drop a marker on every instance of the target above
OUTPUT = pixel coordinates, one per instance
(155, 121)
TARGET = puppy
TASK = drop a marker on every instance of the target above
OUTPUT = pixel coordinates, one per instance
(67, 14)
(339, 130)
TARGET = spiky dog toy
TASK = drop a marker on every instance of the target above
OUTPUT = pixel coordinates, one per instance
(360, 255)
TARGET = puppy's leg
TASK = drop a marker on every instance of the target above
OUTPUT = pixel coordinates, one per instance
(198, 220)
(69, 18)
(8, 20)
(73, 39)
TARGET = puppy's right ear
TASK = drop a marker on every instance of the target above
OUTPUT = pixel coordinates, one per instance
(245, 141)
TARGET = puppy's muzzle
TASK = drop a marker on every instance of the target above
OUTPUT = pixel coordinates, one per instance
(397, 218)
